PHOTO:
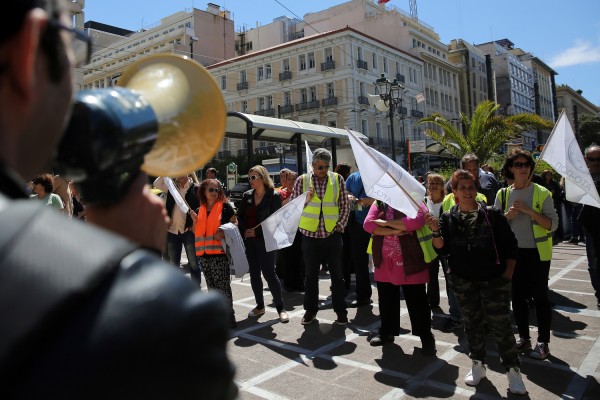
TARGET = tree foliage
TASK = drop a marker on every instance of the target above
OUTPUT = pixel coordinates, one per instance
(484, 132)
(589, 130)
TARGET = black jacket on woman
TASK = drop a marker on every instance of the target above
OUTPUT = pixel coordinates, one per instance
(270, 203)
(474, 257)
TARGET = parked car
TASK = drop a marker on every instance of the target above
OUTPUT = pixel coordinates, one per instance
(236, 192)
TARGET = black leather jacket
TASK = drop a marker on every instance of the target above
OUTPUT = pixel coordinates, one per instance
(475, 257)
(87, 315)
(270, 203)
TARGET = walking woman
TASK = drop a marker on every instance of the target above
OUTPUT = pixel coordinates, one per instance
(213, 212)
(481, 251)
(530, 211)
(400, 264)
(258, 204)
(433, 201)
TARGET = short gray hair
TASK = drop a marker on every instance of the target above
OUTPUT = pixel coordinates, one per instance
(589, 148)
(322, 155)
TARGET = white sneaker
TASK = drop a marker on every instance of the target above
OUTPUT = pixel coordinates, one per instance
(475, 374)
(515, 381)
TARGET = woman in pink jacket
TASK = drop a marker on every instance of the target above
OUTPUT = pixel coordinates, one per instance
(400, 265)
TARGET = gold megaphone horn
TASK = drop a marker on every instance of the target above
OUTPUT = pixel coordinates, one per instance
(189, 107)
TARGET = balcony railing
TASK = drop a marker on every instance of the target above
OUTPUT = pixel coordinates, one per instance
(224, 153)
(285, 75)
(307, 106)
(332, 101)
(400, 78)
(266, 113)
(328, 65)
(416, 113)
(363, 100)
(287, 109)
(242, 85)
(362, 64)
(402, 111)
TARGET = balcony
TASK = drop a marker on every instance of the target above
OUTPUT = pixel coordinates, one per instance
(242, 85)
(363, 100)
(223, 153)
(308, 106)
(332, 101)
(287, 109)
(285, 76)
(328, 65)
(362, 64)
(416, 113)
(400, 78)
(403, 111)
(270, 112)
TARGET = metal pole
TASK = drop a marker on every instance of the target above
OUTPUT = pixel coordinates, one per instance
(391, 114)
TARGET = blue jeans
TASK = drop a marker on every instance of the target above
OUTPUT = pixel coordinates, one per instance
(187, 240)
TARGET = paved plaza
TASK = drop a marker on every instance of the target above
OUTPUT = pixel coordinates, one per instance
(326, 361)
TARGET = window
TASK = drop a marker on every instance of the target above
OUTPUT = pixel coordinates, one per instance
(359, 53)
(243, 76)
(286, 64)
(328, 54)
(374, 61)
(330, 90)
(311, 60)
(302, 62)
(224, 82)
(303, 95)
(378, 130)
(287, 99)
(361, 88)
(313, 93)
(244, 106)
(364, 127)
(261, 103)
(267, 71)
(260, 73)
(269, 102)
(385, 65)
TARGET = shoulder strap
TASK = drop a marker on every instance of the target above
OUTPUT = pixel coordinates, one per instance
(49, 266)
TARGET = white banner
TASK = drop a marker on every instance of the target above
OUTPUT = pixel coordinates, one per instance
(420, 97)
(279, 230)
(175, 193)
(385, 180)
(562, 152)
(308, 158)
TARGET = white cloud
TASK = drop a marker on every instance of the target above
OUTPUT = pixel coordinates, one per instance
(582, 52)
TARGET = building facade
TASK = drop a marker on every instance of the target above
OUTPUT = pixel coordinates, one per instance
(574, 104)
(323, 79)
(206, 36)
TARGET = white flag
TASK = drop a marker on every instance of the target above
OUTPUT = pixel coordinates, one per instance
(308, 158)
(420, 97)
(385, 180)
(279, 230)
(175, 193)
(562, 152)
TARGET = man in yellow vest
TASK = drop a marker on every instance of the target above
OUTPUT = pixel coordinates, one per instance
(322, 223)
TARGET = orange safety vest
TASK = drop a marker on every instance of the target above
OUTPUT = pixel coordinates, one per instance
(206, 227)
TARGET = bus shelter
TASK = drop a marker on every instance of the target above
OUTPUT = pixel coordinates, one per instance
(257, 127)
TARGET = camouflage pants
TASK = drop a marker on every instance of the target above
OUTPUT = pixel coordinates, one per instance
(487, 301)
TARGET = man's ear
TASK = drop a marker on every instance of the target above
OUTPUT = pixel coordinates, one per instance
(23, 50)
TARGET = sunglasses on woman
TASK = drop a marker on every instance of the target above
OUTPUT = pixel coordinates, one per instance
(525, 164)
(253, 177)
(212, 190)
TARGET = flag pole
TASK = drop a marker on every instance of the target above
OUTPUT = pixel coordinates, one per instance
(387, 172)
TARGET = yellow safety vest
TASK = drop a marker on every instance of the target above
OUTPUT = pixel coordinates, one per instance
(449, 201)
(328, 206)
(541, 236)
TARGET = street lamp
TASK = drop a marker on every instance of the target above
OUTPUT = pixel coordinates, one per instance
(192, 40)
(392, 94)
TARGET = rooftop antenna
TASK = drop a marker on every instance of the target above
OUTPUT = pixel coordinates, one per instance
(413, 10)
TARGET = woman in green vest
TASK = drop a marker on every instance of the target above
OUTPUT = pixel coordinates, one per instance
(530, 211)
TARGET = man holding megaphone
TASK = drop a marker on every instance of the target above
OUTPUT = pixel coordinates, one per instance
(87, 313)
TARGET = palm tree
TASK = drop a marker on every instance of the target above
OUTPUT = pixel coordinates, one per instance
(484, 133)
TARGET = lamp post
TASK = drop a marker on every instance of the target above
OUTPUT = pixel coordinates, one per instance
(392, 94)
(192, 40)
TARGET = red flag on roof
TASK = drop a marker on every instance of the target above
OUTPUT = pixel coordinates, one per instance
(382, 1)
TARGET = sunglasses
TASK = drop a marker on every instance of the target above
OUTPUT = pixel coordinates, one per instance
(212, 190)
(322, 167)
(253, 177)
(526, 164)
(593, 159)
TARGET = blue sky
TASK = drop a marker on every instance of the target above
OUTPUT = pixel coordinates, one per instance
(564, 34)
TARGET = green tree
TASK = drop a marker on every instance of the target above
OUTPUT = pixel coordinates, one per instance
(484, 132)
(589, 130)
